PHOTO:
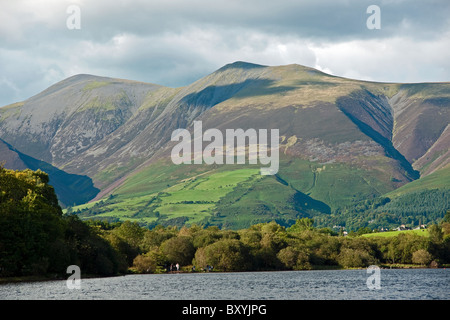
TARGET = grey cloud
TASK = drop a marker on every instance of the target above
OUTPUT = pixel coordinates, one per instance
(176, 42)
(330, 20)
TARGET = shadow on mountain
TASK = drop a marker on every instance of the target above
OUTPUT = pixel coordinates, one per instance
(213, 95)
(349, 106)
(71, 189)
(242, 65)
(304, 203)
(438, 101)
(323, 84)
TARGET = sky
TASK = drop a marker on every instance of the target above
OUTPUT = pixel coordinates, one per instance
(176, 42)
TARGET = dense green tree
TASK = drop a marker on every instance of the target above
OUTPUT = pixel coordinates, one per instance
(250, 237)
(355, 258)
(288, 257)
(131, 232)
(35, 237)
(295, 258)
(157, 236)
(302, 225)
(445, 229)
(204, 237)
(92, 253)
(143, 263)
(447, 216)
(124, 251)
(178, 250)
(224, 255)
(399, 249)
(422, 257)
(435, 232)
(132, 236)
(327, 251)
(150, 262)
(31, 224)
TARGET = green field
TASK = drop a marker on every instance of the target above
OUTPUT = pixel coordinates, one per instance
(387, 234)
(232, 196)
(196, 197)
(237, 196)
(193, 198)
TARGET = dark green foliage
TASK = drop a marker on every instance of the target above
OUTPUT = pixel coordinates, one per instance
(411, 209)
(31, 227)
(302, 225)
(178, 250)
(36, 239)
(269, 246)
(92, 253)
(225, 255)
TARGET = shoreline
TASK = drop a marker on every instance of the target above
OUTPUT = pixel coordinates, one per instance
(24, 279)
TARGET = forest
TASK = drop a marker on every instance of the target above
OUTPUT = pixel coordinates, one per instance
(37, 239)
(412, 209)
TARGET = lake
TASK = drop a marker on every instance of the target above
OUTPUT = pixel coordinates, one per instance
(404, 284)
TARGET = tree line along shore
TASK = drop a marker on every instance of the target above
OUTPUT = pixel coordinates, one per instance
(38, 241)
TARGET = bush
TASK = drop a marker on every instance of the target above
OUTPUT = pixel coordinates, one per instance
(178, 250)
(144, 264)
(293, 258)
(224, 255)
(355, 258)
(422, 257)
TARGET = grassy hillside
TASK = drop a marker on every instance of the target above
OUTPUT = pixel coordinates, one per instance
(237, 196)
(437, 180)
(234, 196)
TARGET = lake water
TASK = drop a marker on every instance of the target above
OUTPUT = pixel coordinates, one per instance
(404, 284)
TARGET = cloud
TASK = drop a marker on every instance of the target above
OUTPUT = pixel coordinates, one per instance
(402, 59)
(176, 42)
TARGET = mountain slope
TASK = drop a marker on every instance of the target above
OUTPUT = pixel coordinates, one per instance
(341, 141)
(436, 180)
(69, 117)
(71, 189)
(417, 106)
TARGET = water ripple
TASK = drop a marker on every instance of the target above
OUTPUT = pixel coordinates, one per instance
(403, 284)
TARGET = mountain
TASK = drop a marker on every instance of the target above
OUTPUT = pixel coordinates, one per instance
(341, 141)
(71, 189)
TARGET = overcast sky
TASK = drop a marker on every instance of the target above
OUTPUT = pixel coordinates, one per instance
(175, 42)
